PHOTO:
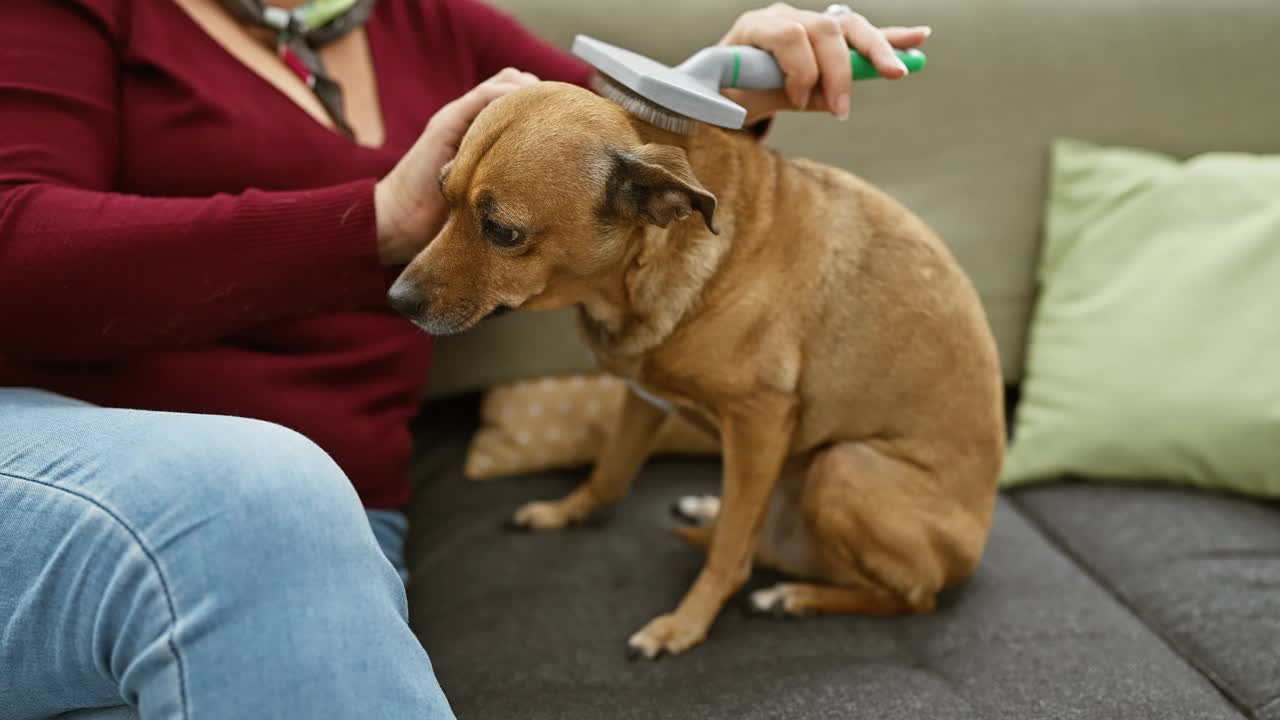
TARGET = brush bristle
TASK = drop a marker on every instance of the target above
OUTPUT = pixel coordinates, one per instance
(645, 109)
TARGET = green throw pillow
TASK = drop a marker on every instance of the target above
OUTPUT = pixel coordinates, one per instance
(1154, 352)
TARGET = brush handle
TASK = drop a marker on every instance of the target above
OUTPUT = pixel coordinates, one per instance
(756, 69)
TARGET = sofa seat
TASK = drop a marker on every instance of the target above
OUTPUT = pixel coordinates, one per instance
(1201, 569)
(1056, 623)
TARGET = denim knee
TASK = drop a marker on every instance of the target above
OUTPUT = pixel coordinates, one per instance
(243, 488)
(230, 462)
(142, 465)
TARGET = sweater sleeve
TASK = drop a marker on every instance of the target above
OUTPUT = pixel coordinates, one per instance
(499, 41)
(88, 274)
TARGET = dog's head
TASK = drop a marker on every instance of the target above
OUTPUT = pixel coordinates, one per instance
(545, 195)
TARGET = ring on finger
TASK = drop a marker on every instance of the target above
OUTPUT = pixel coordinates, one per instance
(838, 9)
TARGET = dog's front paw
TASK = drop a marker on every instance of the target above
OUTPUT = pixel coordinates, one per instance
(542, 515)
(665, 634)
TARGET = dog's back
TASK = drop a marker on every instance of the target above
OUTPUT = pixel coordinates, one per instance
(901, 346)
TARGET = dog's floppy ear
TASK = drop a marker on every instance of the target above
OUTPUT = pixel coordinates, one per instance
(654, 183)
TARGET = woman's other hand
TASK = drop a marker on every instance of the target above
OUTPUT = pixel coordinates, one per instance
(813, 50)
(410, 209)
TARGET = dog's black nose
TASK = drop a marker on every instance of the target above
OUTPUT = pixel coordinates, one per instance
(406, 299)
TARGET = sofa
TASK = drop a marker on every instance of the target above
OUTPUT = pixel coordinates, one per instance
(1093, 600)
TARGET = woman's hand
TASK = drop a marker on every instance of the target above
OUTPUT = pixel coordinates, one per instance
(812, 46)
(410, 209)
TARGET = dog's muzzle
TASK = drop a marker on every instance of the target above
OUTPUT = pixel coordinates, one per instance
(406, 299)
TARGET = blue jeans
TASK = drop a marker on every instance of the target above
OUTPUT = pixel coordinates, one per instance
(161, 565)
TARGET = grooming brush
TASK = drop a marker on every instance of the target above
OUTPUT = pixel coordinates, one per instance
(673, 98)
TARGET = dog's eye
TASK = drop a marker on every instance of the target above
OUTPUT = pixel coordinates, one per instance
(501, 235)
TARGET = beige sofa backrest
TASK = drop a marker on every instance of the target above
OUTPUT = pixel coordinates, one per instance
(964, 144)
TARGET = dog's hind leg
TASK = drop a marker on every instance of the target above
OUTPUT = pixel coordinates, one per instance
(786, 599)
(785, 542)
(697, 509)
(884, 537)
(698, 536)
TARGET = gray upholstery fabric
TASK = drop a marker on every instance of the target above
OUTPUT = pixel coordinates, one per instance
(1201, 569)
(534, 626)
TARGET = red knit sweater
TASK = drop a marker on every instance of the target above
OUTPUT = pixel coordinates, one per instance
(176, 234)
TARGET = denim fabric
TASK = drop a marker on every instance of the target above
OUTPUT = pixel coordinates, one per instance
(162, 565)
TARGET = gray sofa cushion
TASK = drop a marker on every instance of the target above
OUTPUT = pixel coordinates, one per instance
(1201, 569)
(534, 626)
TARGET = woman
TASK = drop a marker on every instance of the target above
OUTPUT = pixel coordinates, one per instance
(202, 204)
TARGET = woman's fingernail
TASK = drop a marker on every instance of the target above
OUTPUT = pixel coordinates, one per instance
(842, 107)
(902, 66)
(926, 30)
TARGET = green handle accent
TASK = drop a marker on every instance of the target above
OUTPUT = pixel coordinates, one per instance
(864, 70)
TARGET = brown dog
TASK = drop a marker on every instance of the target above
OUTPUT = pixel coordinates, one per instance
(819, 327)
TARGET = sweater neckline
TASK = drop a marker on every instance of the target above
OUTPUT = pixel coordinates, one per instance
(279, 96)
